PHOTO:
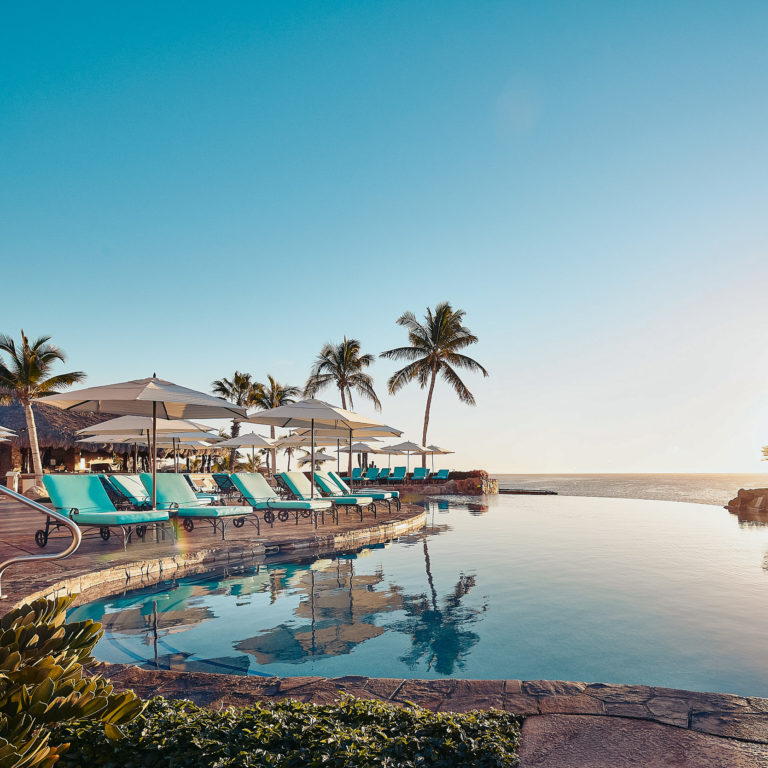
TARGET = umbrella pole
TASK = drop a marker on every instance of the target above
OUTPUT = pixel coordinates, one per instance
(338, 456)
(312, 468)
(253, 457)
(154, 454)
(350, 456)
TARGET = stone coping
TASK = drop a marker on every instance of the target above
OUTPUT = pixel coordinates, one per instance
(722, 715)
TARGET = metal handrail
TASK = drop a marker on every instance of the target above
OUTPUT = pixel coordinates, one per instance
(62, 519)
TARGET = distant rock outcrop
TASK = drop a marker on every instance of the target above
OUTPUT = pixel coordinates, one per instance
(750, 499)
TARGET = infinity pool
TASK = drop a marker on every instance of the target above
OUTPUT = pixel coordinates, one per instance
(609, 590)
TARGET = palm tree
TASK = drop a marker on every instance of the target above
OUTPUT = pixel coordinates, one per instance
(272, 395)
(26, 378)
(434, 349)
(342, 365)
(240, 391)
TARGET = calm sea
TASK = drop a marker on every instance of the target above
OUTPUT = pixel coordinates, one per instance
(702, 489)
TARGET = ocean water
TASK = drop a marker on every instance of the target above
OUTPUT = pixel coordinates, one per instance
(556, 587)
(699, 488)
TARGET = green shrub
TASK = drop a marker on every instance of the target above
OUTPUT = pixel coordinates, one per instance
(42, 683)
(350, 734)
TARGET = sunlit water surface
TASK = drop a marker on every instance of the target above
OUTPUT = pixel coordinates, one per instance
(610, 590)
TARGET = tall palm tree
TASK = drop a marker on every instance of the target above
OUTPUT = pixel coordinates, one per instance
(342, 365)
(434, 349)
(272, 395)
(26, 378)
(240, 391)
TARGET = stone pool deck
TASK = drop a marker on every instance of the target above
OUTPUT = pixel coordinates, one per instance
(567, 725)
(100, 568)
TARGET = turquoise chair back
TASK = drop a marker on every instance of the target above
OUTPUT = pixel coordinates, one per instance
(398, 474)
(372, 473)
(82, 492)
(441, 474)
(253, 486)
(357, 473)
(343, 487)
(326, 483)
(171, 489)
(298, 484)
(420, 473)
(383, 474)
(131, 487)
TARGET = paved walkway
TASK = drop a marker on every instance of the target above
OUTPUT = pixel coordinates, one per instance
(567, 725)
(98, 565)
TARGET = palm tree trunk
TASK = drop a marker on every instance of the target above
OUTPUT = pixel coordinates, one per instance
(233, 452)
(426, 415)
(34, 446)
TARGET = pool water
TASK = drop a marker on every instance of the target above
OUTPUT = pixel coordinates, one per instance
(610, 590)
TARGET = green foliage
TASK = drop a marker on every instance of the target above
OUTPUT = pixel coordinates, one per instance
(350, 734)
(42, 683)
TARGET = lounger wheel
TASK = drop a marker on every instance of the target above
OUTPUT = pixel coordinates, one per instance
(141, 531)
(269, 517)
(283, 515)
(238, 522)
(306, 513)
(105, 533)
(41, 538)
(189, 525)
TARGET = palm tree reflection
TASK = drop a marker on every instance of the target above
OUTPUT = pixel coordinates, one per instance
(439, 632)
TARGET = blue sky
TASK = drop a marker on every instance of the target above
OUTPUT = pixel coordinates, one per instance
(191, 188)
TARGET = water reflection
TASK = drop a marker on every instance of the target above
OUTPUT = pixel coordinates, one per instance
(336, 609)
(439, 627)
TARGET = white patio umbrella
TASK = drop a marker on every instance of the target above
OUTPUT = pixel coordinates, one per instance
(319, 457)
(313, 413)
(249, 440)
(140, 425)
(436, 450)
(408, 448)
(146, 397)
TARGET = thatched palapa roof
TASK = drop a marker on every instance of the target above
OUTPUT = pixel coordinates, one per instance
(55, 428)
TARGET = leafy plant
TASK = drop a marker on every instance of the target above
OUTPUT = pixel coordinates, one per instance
(42, 683)
(353, 733)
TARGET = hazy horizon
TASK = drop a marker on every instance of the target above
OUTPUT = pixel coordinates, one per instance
(193, 189)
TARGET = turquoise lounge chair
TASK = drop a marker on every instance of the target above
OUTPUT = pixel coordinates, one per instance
(341, 487)
(420, 475)
(371, 475)
(205, 496)
(301, 487)
(84, 500)
(175, 495)
(441, 476)
(226, 486)
(262, 497)
(131, 487)
(383, 475)
(398, 475)
(357, 475)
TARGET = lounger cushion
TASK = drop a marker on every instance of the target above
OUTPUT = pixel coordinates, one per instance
(317, 504)
(363, 501)
(211, 512)
(131, 487)
(120, 518)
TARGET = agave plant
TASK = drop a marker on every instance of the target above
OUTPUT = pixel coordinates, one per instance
(42, 683)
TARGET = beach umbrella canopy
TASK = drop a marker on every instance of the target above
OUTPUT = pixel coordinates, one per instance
(140, 425)
(320, 456)
(436, 450)
(313, 413)
(147, 397)
(6, 431)
(249, 440)
(358, 448)
(407, 448)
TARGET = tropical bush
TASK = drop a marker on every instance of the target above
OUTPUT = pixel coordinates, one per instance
(350, 734)
(42, 683)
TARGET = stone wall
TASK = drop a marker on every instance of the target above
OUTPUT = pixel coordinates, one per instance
(750, 499)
